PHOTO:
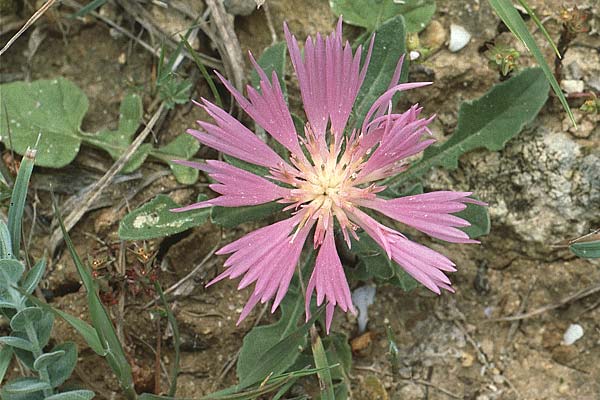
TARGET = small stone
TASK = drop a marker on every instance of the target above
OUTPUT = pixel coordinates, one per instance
(411, 391)
(240, 7)
(573, 333)
(373, 388)
(434, 36)
(122, 59)
(459, 37)
(572, 85)
(564, 388)
(467, 359)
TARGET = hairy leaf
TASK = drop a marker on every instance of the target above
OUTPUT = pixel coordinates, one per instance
(155, 219)
(488, 122)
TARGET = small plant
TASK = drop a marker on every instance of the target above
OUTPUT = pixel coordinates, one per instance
(30, 324)
(591, 106)
(503, 58)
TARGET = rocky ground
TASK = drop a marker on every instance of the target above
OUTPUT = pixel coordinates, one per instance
(544, 187)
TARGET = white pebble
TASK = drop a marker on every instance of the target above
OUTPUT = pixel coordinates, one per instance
(459, 37)
(362, 298)
(573, 333)
(572, 86)
(414, 55)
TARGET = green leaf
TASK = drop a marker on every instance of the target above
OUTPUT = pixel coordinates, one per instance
(230, 217)
(513, 20)
(586, 249)
(25, 385)
(88, 8)
(479, 218)
(18, 199)
(280, 356)
(261, 339)
(155, 219)
(173, 90)
(116, 142)
(33, 276)
(23, 318)
(61, 367)
(202, 68)
(371, 14)
(10, 272)
(17, 342)
(53, 108)
(320, 358)
(101, 321)
(73, 395)
(272, 59)
(176, 339)
(5, 242)
(389, 46)
(488, 122)
(6, 354)
(183, 147)
(88, 333)
(47, 358)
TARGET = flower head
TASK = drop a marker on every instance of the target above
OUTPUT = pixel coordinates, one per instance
(331, 174)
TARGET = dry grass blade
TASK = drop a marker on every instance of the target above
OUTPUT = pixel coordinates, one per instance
(103, 182)
(229, 48)
(29, 22)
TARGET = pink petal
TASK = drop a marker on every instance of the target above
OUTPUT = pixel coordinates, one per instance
(266, 257)
(236, 186)
(329, 280)
(229, 136)
(422, 263)
(430, 213)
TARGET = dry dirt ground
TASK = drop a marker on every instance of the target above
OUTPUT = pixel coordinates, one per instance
(450, 346)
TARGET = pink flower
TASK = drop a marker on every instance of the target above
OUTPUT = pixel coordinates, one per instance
(328, 177)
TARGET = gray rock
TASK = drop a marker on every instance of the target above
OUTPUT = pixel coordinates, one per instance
(240, 7)
(583, 63)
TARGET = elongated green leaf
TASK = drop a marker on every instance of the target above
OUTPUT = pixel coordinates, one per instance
(230, 217)
(34, 276)
(280, 356)
(115, 355)
(320, 359)
(478, 217)
(388, 47)
(5, 242)
(25, 385)
(203, 71)
(88, 8)
(511, 17)
(18, 198)
(540, 26)
(6, 354)
(176, 339)
(88, 333)
(371, 14)
(155, 219)
(586, 249)
(16, 342)
(73, 395)
(488, 122)
(261, 339)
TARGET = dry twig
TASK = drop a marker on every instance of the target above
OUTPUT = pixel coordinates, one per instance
(29, 22)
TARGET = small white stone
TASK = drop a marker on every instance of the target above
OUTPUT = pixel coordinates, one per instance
(572, 86)
(573, 333)
(363, 297)
(459, 37)
(414, 55)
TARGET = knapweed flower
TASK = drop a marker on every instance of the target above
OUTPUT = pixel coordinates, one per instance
(330, 176)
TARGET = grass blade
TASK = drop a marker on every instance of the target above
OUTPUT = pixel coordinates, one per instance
(510, 16)
(18, 198)
(540, 26)
(88, 8)
(205, 74)
(321, 362)
(176, 340)
(115, 355)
